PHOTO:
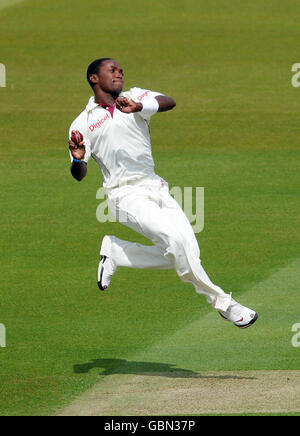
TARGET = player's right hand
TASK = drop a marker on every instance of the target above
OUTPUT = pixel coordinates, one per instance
(127, 105)
(76, 145)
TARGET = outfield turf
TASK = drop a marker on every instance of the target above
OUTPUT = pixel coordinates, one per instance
(235, 131)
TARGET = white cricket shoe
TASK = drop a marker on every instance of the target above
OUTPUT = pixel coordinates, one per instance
(240, 315)
(106, 270)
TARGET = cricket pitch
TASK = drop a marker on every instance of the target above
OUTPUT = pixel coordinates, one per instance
(230, 392)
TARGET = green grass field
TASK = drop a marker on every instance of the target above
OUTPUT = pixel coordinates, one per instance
(235, 131)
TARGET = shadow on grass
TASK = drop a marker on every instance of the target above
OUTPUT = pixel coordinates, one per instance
(122, 366)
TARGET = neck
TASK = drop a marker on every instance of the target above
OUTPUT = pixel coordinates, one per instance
(102, 97)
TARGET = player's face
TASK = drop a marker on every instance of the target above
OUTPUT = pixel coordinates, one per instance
(110, 77)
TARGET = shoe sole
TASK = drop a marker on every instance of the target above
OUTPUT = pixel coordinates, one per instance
(100, 274)
(249, 324)
(243, 326)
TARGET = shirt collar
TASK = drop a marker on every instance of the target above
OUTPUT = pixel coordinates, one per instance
(110, 109)
(92, 104)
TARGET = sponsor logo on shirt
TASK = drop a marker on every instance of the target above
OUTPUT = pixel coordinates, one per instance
(140, 98)
(99, 123)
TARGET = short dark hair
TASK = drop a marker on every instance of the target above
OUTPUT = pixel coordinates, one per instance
(94, 68)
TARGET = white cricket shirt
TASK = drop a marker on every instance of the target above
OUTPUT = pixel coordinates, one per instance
(119, 143)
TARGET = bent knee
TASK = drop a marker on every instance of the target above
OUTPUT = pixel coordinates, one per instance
(179, 245)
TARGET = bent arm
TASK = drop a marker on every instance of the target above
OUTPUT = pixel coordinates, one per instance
(149, 106)
(78, 170)
(165, 103)
(77, 149)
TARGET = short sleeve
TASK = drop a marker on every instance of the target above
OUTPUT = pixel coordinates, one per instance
(78, 125)
(139, 95)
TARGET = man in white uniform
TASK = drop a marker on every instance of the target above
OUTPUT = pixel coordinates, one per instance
(114, 130)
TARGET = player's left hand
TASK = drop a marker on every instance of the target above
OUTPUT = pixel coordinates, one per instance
(128, 106)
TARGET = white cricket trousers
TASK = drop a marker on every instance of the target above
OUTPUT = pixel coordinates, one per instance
(147, 207)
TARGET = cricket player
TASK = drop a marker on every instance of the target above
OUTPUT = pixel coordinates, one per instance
(113, 129)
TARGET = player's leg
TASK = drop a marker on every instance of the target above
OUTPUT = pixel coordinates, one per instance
(186, 255)
(240, 315)
(134, 255)
(118, 253)
(156, 215)
(152, 213)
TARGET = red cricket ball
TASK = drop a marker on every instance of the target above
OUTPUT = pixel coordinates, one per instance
(76, 137)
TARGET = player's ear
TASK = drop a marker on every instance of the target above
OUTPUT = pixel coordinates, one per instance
(93, 78)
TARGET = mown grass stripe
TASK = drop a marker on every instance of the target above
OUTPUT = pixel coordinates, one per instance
(184, 365)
